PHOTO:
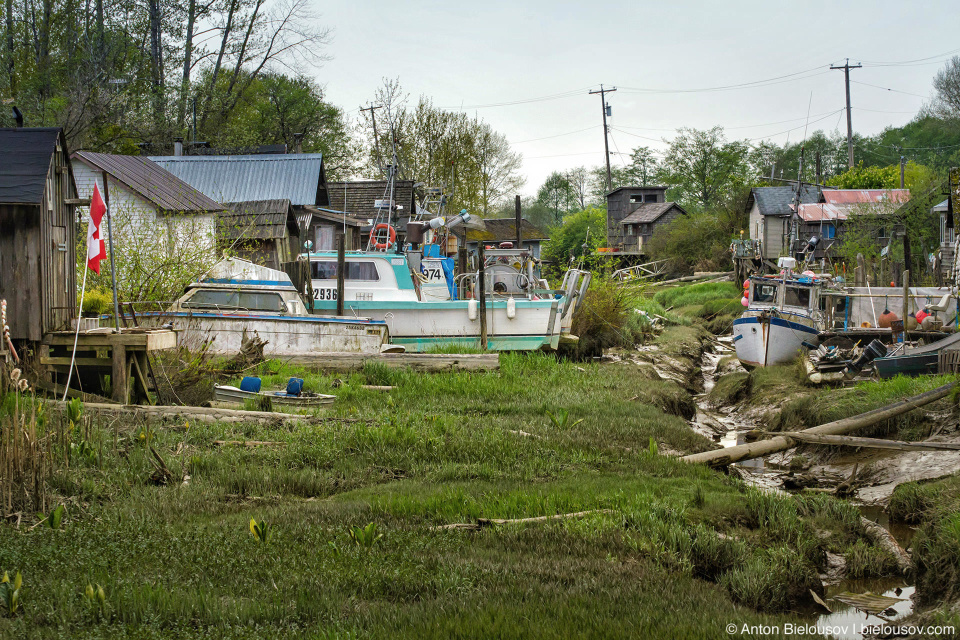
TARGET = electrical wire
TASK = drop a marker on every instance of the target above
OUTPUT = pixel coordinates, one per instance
(906, 93)
(559, 135)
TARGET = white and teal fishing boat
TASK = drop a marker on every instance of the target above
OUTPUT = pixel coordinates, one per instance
(425, 306)
(238, 300)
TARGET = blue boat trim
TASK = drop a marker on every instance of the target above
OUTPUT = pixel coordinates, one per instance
(228, 316)
(735, 338)
(780, 322)
(258, 283)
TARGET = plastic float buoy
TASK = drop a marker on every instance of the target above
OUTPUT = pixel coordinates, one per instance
(472, 309)
(744, 301)
(511, 308)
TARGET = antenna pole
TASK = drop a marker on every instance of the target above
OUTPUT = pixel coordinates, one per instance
(376, 137)
(846, 77)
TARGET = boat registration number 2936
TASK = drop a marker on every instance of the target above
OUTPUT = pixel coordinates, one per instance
(324, 294)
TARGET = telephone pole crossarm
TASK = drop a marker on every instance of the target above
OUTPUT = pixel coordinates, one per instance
(846, 76)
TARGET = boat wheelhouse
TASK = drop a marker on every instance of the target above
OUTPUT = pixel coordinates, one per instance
(426, 306)
(238, 300)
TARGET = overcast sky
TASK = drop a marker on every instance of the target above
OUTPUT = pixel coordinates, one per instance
(544, 57)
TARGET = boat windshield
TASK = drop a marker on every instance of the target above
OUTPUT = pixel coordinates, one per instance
(233, 299)
(365, 271)
(797, 297)
(764, 292)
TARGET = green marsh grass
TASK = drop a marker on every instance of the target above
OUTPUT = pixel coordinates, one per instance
(180, 560)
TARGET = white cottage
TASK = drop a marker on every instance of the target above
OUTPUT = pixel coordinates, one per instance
(164, 230)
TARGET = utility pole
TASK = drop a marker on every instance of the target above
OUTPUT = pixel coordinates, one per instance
(903, 164)
(846, 75)
(606, 145)
(376, 137)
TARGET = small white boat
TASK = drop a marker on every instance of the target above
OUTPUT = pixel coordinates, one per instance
(238, 299)
(225, 393)
(783, 316)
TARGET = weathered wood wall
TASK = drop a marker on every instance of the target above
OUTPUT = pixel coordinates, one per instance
(38, 248)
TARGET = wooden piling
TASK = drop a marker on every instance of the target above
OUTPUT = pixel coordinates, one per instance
(482, 296)
(341, 268)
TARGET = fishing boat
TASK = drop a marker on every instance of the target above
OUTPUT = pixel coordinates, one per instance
(425, 305)
(783, 315)
(914, 361)
(238, 300)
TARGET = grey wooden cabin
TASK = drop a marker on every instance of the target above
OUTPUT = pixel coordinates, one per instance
(634, 213)
(38, 232)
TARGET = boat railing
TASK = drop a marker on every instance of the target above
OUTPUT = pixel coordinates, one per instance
(467, 286)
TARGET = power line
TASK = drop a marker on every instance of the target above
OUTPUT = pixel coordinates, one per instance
(559, 135)
(555, 96)
(790, 77)
(874, 63)
(906, 93)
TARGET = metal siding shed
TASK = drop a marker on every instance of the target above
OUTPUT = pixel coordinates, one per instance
(148, 179)
(297, 177)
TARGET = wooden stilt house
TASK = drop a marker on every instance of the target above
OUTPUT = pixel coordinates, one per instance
(38, 243)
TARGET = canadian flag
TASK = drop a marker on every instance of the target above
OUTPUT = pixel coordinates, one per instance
(96, 249)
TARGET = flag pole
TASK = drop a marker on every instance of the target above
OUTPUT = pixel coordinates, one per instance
(113, 268)
(76, 337)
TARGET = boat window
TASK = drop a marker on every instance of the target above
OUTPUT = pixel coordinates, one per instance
(797, 297)
(213, 298)
(227, 299)
(365, 271)
(764, 292)
(261, 301)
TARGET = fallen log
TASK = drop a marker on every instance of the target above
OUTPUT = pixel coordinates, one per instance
(489, 522)
(724, 457)
(886, 541)
(249, 443)
(425, 362)
(701, 276)
(197, 413)
(873, 443)
(376, 387)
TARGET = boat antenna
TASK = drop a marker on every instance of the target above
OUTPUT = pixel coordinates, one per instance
(794, 226)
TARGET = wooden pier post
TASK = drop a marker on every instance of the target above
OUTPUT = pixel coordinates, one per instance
(482, 296)
(906, 302)
(341, 268)
(119, 376)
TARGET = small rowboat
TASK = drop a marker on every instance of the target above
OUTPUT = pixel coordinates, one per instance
(224, 393)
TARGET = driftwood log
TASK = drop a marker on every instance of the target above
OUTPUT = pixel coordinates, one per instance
(886, 541)
(873, 443)
(489, 522)
(724, 457)
(211, 414)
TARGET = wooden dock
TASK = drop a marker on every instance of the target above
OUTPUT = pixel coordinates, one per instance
(121, 356)
(425, 362)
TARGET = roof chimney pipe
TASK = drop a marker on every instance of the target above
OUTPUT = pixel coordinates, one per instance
(178, 146)
(298, 143)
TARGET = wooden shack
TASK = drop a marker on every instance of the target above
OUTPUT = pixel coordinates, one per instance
(38, 241)
(264, 232)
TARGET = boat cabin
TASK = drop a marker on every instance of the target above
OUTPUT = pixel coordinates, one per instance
(801, 296)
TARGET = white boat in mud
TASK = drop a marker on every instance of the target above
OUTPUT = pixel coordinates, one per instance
(237, 299)
(425, 306)
(783, 315)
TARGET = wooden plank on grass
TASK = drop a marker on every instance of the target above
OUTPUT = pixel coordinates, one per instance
(874, 443)
(426, 362)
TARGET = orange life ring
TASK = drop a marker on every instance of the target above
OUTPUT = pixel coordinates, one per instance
(392, 240)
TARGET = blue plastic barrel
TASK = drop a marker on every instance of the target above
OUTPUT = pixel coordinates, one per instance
(295, 386)
(251, 384)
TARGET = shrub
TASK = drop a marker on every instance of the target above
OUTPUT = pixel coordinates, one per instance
(605, 319)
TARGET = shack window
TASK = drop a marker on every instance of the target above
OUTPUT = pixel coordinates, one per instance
(764, 292)
(365, 271)
(797, 297)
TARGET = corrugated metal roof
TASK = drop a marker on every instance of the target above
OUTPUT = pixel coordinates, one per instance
(336, 216)
(505, 230)
(162, 188)
(855, 196)
(258, 219)
(25, 156)
(297, 177)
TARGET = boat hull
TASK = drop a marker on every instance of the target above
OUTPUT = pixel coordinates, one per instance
(764, 340)
(284, 336)
(239, 396)
(422, 326)
(907, 365)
